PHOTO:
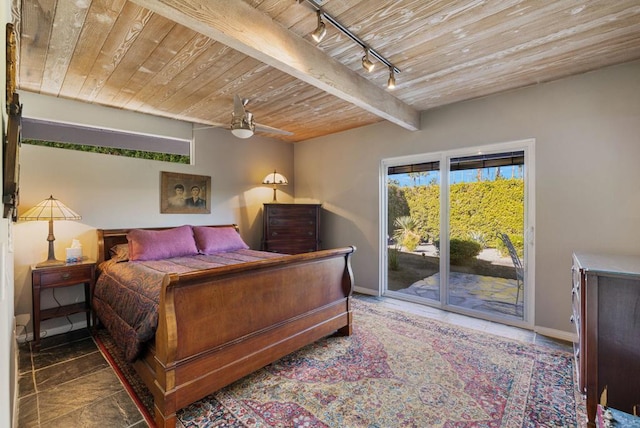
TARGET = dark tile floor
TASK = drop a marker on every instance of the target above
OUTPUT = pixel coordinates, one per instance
(68, 383)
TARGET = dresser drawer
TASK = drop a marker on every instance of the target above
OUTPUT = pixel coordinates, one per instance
(577, 308)
(577, 362)
(308, 222)
(293, 212)
(304, 231)
(291, 246)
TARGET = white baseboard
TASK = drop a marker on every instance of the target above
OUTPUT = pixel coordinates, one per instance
(52, 331)
(556, 334)
(368, 291)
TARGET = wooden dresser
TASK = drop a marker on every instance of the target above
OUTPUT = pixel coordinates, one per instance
(606, 313)
(291, 228)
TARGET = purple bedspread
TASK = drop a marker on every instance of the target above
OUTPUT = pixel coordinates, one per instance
(127, 294)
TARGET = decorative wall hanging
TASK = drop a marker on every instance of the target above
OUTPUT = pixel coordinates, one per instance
(11, 166)
(12, 59)
(185, 193)
(11, 146)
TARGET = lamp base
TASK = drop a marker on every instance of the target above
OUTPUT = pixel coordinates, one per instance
(51, 262)
(51, 258)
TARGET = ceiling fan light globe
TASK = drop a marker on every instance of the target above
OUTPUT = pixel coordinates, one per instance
(242, 132)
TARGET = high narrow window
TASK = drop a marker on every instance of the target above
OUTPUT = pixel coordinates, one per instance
(84, 138)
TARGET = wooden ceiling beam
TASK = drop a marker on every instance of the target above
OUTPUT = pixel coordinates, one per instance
(247, 30)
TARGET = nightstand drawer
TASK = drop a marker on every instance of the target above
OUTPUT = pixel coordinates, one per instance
(66, 276)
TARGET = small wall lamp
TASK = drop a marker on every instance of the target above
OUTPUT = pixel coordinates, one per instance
(276, 179)
(48, 210)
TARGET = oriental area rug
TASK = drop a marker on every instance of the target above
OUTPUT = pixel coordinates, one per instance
(396, 370)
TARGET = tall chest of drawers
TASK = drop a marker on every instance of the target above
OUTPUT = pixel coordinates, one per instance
(291, 228)
(606, 313)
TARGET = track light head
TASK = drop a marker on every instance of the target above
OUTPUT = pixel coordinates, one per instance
(366, 62)
(321, 30)
(391, 83)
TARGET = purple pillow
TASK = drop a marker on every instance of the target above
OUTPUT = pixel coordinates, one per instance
(215, 239)
(161, 244)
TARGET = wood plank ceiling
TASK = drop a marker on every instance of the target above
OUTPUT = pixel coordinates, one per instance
(185, 59)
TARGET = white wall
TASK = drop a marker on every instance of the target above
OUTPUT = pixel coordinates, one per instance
(112, 191)
(587, 152)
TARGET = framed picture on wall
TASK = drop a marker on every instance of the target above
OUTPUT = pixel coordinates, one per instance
(11, 61)
(11, 163)
(185, 193)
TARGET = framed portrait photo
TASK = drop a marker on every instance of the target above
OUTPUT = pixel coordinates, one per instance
(184, 193)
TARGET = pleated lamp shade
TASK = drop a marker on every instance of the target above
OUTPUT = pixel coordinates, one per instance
(48, 210)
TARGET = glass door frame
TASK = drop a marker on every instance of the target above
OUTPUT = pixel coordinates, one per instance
(444, 158)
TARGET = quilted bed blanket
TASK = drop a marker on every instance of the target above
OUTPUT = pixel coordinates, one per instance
(127, 294)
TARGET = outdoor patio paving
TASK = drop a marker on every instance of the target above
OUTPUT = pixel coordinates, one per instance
(477, 292)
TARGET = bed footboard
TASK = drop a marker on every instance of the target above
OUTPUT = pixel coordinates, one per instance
(219, 325)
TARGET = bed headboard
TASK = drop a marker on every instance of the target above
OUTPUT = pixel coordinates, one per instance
(107, 238)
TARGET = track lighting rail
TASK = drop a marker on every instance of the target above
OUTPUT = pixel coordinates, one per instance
(352, 36)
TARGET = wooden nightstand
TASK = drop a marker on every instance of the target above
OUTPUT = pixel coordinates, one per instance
(61, 276)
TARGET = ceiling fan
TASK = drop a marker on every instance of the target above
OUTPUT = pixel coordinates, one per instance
(243, 124)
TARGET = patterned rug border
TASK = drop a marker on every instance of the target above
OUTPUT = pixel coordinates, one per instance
(148, 417)
(379, 309)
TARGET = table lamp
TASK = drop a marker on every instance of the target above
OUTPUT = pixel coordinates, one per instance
(48, 210)
(275, 178)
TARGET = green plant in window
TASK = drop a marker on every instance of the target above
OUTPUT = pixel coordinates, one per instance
(394, 263)
(139, 154)
(462, 252)
(406, 233)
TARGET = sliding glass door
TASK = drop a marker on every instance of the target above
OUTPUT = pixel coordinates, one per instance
(486, 228)
(455, 231)
(413, 225)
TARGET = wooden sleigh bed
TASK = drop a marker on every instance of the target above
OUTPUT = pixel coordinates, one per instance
(218, 325)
